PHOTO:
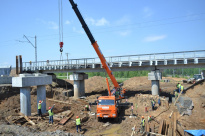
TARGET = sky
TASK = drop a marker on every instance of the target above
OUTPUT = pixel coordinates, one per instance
(120, 27)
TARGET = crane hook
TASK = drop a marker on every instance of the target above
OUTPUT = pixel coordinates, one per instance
(61, 46)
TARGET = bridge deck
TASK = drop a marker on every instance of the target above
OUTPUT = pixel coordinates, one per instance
(189, 59)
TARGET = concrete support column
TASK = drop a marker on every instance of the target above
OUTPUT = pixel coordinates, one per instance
(79, 84)
(41, 95)
(82, 89)
(24, 81)
(155, 76)
(25, 100)
(155, 87)
(76, 87)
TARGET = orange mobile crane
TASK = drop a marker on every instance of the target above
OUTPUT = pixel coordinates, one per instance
(107, 106)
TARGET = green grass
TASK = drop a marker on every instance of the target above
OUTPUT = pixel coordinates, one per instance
(62, 77)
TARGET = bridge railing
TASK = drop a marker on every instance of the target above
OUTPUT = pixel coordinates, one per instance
(89, 62)
(158, 56)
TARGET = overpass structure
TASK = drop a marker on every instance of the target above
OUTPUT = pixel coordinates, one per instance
(170, 60)
(152, 62)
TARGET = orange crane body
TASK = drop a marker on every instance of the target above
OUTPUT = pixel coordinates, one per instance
(105, 65)
(107, 106)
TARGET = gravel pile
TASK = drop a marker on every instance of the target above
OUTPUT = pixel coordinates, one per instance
(14, 130)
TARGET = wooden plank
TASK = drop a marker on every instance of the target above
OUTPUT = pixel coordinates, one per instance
(152, 128)
(170, 132)
(156, 134)
(63, 114)
(147, 126)
(180, 130)
(64, 120)
(170, 114)
(167, 127)
(59, 101)
(160, 127)
(30, 117)
(163, 127)
(29, 121)
(175, 124)
(133, 131)
(20, 117)
(178, 97)
(26, 117)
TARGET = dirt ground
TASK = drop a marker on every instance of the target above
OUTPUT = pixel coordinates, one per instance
(137, 91)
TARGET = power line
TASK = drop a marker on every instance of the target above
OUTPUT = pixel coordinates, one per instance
(35, 46)
(131, 26)
(134, 27)
(155, 20)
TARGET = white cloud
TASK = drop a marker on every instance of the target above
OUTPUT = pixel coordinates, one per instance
(52, 25)
(100, 22)
(49, 24)
(147, 12)
(154, 38)
(123, 20)
(124, 33)
(67, 22)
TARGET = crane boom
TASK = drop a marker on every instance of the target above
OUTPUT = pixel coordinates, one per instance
(95, 45)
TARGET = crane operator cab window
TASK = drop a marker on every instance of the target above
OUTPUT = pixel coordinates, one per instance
(106, 102)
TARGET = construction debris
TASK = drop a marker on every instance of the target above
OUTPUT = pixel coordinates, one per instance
(65, 119)
(65, 112)
(106, 124)
(59, 101)
(26, 117)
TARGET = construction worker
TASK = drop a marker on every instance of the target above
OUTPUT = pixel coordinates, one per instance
(177, 85)
(78, 123)
(149, 118)
(153, 104)
(176, 95)
(142, 125)
(86, 108)
(181, 88)
(39, 108)
(159, 102)
(50, 113)
(117, 94)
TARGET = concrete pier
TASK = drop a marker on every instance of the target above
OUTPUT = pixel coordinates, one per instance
(41, 95)
(155, 76)
(76, 87)
(79, 84)
(24, 81)
(25, 100)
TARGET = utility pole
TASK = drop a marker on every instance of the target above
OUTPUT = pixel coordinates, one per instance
(67, 62)
(67, 57)
(35, 47)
